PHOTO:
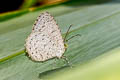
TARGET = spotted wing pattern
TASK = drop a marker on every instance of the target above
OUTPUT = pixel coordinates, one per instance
(45, 41)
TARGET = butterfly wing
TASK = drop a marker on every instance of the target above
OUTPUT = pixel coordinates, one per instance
(45, 42)
(45, 22)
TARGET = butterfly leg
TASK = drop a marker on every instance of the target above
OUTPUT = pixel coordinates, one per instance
(66, 60)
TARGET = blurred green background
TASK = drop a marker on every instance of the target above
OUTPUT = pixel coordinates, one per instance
(94, 56)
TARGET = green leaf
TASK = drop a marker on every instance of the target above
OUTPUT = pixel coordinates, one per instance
(97, 23)
(104, 67)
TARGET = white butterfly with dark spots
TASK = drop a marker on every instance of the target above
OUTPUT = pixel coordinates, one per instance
(45, 41)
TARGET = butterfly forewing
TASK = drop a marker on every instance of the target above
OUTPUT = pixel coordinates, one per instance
(45, 22)
(45, 41)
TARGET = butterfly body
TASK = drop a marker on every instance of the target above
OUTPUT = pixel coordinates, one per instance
(45, 41)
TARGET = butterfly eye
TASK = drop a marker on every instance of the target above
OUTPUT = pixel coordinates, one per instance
(65, 45)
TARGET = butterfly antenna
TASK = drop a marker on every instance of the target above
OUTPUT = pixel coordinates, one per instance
(72, 37)
(67, 33)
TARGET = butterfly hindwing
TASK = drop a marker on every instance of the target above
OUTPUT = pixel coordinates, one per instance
(45, 41)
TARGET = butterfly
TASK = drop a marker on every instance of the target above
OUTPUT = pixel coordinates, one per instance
(45, 41)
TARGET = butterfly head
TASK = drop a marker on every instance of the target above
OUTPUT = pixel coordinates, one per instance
(66, 46)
